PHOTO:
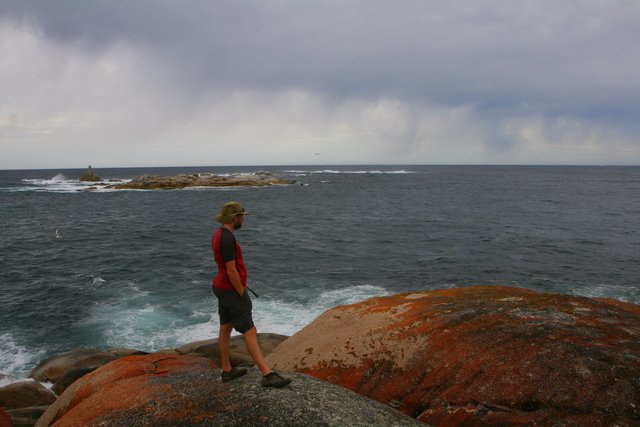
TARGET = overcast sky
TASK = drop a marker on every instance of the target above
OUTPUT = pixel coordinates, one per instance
(205, 82)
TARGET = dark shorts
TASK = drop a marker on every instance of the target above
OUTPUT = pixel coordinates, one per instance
(234, 309)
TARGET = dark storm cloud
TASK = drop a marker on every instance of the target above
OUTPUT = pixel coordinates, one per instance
(572, 55)
(445, 81)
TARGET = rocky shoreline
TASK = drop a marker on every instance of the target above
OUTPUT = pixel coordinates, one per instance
(482, 355)
(27, 400)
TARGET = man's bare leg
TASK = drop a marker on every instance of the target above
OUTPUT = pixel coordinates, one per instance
(224, 342)
(251, 341)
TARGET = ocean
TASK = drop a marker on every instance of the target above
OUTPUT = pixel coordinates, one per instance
(130, 268)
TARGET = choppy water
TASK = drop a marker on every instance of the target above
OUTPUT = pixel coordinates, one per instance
(133, 269)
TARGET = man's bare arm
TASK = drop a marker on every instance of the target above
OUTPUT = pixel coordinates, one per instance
(234, 276)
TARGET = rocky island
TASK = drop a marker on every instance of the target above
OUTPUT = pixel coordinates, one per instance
(154, 182)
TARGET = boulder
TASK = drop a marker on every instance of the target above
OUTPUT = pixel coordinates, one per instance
(166, 351)
(69, 377)
(122, 352)
(53, 368)
(187, 391)
(481, 356)
(238, 351)
(90, 175)
(24, 394)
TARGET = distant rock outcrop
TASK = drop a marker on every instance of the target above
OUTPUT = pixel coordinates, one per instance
(171, 390)
(153, 182)
(90, 176)
(481, 356)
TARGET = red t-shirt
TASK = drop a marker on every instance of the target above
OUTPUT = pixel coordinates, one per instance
(225, 249)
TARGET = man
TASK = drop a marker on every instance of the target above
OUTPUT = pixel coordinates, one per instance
(234, 304)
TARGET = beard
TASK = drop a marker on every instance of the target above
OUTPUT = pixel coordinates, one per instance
(237, 225)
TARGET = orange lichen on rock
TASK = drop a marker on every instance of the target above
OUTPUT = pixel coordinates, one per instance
(184, 391)
(480, 355)
(123, 384)
(5, 419)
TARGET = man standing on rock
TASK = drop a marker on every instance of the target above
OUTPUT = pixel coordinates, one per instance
(234, 304)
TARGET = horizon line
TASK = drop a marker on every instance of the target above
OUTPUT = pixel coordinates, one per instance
(336, 165)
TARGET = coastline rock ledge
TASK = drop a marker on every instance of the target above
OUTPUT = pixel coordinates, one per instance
(153, 182)
(481, 355)
(174, 390)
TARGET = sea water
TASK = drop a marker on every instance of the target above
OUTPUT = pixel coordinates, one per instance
(114, 268)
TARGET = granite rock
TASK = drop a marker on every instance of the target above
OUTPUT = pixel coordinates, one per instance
(238, 351)
(69, 377)
(24, 417)
(5, 419)
(53, 368)
(174, 390)
(24, 394)
(483, 355)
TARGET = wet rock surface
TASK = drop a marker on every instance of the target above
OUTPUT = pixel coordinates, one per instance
(481, 356)
(175, 390)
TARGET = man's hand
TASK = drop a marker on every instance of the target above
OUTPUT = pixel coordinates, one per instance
(234, 276)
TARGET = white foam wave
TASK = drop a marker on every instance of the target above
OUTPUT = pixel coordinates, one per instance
(278, 316)
(61, 184)
(621, 293)
(206, 328)
(356, 171)
(230, 175)
(151, 327)
(287, 318)
(15, 360)
(97, 281)
(140, 328)
(206, 188)
(136, 291)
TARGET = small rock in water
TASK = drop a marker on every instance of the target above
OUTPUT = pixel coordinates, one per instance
(90, 175)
